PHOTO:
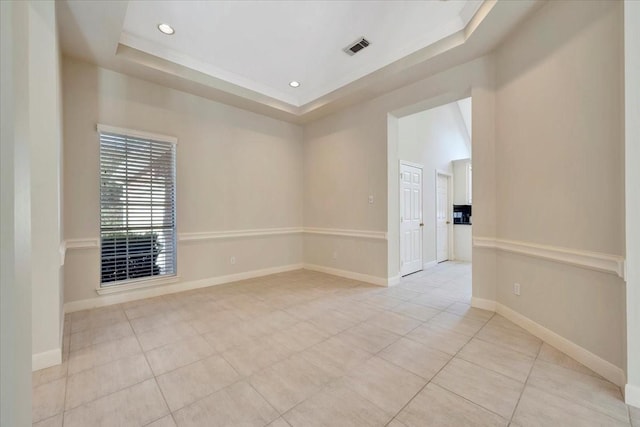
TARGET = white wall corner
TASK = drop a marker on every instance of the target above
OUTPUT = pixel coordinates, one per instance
(46, 359)
(393, 281)
(632, 395)
(374, 280)
(483, 304)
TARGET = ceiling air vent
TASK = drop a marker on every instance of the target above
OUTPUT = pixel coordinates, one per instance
(357, 46)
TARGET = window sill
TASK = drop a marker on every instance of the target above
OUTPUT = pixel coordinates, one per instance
(136, 284)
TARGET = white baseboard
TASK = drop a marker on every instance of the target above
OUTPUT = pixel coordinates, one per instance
(597, 364)
(46, 359)
(429, 264)
(393, 281)
(483, 304)
(632, 395)
(134, 295)
(380, 281)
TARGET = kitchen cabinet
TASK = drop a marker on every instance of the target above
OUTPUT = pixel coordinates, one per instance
(462, 195)
(462, 182)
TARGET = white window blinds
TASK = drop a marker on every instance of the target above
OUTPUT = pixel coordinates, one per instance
(137, 207)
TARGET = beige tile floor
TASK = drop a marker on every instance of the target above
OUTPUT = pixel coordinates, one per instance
(309, 349)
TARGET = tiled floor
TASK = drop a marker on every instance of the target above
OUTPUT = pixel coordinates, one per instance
(308, 349)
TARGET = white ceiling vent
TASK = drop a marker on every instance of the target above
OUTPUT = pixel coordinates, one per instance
(357, 46)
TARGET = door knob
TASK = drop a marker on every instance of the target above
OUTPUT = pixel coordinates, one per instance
(421, 225)
(448, 222)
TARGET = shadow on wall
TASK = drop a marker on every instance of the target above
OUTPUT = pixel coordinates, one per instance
(564, 25)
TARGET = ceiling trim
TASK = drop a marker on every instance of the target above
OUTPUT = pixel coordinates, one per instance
(491, 22)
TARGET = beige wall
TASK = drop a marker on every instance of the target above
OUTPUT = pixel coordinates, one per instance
(235, 171)
(15, 224)
(344, 163)
(560, 168)
(559, 130)
(46, 170)
(433, 138)
(354, 153)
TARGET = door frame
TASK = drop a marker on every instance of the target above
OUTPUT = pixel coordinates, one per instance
(452, 91)
(449, 177)
(419, 166)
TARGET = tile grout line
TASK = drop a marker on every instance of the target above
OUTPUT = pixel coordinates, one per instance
(268, 403)
(153, 374)
(245, 377)
(536, 359)
(66, 377)
(570, 399)
(524, 386)
(331, 380)
(93, 345)
(500, 344)
(111, 393)
(435, 375)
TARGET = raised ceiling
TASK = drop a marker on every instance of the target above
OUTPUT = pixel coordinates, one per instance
(263, 45)
(245, 53)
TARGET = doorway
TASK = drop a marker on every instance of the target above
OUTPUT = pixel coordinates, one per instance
(411, 223)
(435, 135)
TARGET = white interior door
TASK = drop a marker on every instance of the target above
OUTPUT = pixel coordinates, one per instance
(443, 221)
(410, 219)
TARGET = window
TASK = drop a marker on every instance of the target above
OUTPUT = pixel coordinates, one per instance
(137, 206)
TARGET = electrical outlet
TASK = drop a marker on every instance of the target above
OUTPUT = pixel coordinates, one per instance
(232, 260)
(516, 289)
(370, 199)
(335, 255)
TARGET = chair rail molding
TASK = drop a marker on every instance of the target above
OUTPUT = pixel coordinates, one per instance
(607, 263)
(236, 234)
(362, 234)
(62, 249)
(94, 242)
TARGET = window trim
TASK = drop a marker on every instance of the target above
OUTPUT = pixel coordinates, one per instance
(139, 283)
(136, 133)
(151, 281)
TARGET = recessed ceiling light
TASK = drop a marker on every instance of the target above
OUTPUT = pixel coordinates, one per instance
(294, 84)
(166, 29)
